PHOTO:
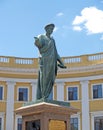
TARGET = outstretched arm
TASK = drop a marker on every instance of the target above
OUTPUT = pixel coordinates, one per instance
(37, 43)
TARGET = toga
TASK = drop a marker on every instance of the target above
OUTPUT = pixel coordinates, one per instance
(47, 66)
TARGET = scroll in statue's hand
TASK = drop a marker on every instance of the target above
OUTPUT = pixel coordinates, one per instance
(36, 39)
(37, 43)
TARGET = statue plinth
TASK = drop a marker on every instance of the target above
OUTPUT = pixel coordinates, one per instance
(40, 114)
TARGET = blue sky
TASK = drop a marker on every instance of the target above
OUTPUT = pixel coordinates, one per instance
(78, 26)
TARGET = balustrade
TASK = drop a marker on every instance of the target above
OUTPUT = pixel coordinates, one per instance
(23, 61)
(95, 57)
(81, 60)
(72, 59)
(4, 59)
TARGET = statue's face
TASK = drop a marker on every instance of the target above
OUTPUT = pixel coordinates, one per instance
(49, 30)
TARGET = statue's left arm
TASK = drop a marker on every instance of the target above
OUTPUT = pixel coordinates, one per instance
(61, 64)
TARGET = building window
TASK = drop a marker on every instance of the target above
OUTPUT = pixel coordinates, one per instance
(1, 93)
(19, 124)
(97, 91)
(73, 123)
(72, 93)
(0, 123)
(23, 94)
(98, 123)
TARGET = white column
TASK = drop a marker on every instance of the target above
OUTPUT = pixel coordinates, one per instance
(10, 106)
(34, 89)
(92, 121)
(60, 91)
(85, 106)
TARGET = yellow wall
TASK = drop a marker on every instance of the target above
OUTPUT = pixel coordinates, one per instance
(2, 106)
(70, 62)
(96, 105)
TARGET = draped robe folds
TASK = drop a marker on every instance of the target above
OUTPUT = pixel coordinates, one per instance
(47, 66)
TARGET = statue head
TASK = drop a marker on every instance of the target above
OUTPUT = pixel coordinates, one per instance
(49, 25)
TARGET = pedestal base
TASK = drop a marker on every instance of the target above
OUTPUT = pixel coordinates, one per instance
(39, 116)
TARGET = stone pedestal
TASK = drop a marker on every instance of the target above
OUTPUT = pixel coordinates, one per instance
(40, 114)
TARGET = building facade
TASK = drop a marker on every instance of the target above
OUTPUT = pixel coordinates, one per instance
(81, 84)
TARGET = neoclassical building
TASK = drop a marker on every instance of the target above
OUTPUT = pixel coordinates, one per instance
(81, 84)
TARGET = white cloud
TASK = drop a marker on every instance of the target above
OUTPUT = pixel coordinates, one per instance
(77, 28)
(78, 20)
(91, 19)
(60, 14)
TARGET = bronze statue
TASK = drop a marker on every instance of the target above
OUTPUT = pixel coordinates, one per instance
(49, 60)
